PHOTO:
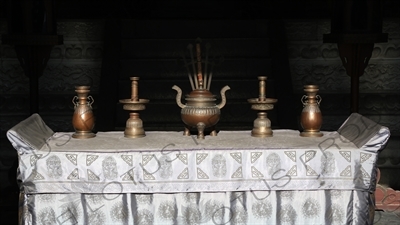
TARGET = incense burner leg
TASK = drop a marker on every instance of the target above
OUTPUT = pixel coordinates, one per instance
(200, 128)
(186, 132)
(213, 131)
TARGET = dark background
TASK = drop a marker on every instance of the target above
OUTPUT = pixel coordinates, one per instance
(146, 37)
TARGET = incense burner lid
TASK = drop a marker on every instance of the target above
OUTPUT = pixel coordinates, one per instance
(200, 95)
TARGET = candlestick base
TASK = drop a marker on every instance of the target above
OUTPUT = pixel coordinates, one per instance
(262, 125)
(134, 125)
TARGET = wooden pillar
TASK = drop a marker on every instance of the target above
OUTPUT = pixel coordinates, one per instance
(355, 26)
(32, 31)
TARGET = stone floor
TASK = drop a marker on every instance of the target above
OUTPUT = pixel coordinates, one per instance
(387, 218)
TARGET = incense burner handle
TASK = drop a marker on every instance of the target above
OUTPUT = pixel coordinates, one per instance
(178, 96)
(223, 97)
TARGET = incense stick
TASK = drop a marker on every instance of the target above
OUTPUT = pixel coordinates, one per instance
(206, 63)
(188, 70)
(190, 47)
(199, 72)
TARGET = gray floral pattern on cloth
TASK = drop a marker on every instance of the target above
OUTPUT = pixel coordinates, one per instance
(46, 198)
(262, 209)
(47, 216)
(336, 193)
(54, 168)
(96, 217)
(199, 170)
(212, 211)
(191, 197)
(273, 163)
(70, 212)
(144, 217)
(144, 198)
(334, 215)
(192, 208)
(119, 212)
(165, 166)
(94, 198)
(328, 163)
(109, 166)
(238, 215)
(286, 194)
(219, 165)
(287, 214)
(191, 215)
(311, 208)
(167, 211)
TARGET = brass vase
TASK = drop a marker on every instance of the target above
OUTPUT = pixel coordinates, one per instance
(83, 118)
(311, 116)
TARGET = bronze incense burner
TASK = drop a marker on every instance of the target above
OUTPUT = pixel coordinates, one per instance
(200, 111)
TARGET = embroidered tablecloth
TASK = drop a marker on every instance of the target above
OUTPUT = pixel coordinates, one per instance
(168, 178)
(168, 162)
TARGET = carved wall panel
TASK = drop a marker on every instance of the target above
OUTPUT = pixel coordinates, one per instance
(317, 50)
(76, 62)
(382, 77)
(64, 76)
(314, 62)
(78, 50)
(392, 27)
(81, 30)
(329, 75)
(12, 79)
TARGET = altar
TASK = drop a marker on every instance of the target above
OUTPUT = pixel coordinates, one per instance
(168, 178)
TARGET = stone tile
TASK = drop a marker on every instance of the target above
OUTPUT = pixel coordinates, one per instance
(386, 218)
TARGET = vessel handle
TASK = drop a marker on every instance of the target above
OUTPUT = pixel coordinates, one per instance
(90, 100)
(319, 99)
(304, 100)
(75, 101)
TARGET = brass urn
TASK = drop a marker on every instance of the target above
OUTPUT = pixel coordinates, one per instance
(83, 118)
(200, 111)
(311, 116)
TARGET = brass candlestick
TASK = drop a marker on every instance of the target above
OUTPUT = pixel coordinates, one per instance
(134, 125)
(262, 125)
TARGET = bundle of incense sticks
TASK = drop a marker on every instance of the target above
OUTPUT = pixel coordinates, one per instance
(198, 80)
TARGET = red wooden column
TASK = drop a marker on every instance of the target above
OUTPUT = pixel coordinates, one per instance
(355, 26)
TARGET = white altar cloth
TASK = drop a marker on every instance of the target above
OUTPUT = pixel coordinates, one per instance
(168, 162)
(168, 178)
